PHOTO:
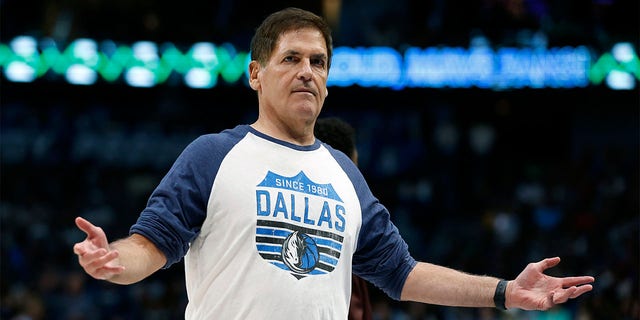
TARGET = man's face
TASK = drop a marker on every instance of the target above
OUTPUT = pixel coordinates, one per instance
(292, 85)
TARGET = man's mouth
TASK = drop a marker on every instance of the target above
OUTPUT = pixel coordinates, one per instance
(304, 90)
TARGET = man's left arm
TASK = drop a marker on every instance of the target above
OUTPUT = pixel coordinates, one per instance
(531, 290)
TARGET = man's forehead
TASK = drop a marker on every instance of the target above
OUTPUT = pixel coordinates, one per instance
(288, 41)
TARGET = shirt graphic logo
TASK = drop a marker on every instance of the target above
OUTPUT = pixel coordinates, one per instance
(300, 252)
(299, 224)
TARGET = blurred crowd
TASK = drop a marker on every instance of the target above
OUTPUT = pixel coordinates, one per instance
(482, 182)
(484, 187)
(399, 23)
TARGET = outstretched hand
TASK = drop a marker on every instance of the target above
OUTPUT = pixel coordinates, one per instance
(94, 254)
(534, 290)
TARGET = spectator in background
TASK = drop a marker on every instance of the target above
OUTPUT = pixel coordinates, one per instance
(340, 135)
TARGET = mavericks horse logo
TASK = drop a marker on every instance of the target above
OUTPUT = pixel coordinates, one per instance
(300, 252)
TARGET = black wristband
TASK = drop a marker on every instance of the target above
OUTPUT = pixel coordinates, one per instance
(499, 295)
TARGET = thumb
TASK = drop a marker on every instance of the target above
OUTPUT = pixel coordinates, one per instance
(548, 263)
(84, 225)
(94, 233)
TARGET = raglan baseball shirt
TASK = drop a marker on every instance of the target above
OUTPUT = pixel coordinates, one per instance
(271, 230)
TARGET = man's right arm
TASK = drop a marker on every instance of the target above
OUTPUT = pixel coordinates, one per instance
(124, 261)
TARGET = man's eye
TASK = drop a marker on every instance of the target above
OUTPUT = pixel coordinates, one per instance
(318, 62)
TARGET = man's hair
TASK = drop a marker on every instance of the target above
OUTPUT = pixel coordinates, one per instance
(268, 33)
(337, 133)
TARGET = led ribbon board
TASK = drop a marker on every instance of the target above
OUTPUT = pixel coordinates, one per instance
(203, 65)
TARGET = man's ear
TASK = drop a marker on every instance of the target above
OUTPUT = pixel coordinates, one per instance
(254, 68)
(326, 92)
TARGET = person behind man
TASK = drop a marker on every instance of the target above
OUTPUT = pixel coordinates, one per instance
(271, 223)
(340, 135)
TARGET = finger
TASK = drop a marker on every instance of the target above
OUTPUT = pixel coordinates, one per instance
(79, 249)
(103, 269)
(561, 296)
(96, 261)
(91, 256)
(576, 281)
(107, 272)
(87, 247)
(580, 290)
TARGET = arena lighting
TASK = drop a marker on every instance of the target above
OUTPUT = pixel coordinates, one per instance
(202, 65)
(145, 60)
(366, 67)
(20, 70)
(624, 55)
(619, 68)
(202, 76)
(620, 80)
(199, 78)
(80, 74)
(138, 76)
(85, 51)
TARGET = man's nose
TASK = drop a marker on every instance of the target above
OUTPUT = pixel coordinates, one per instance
(305, 71)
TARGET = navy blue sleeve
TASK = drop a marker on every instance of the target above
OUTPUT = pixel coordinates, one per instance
(382, 256)
(178, 206)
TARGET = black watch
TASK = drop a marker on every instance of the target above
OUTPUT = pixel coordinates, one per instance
(499, 295)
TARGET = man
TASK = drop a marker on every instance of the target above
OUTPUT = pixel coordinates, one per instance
(340, 135)
(271, 223)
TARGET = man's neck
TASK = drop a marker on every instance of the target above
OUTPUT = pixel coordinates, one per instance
(302, 135)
